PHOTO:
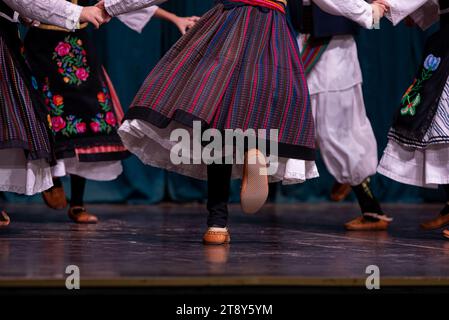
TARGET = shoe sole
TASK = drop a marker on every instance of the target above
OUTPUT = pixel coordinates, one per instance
(212, 243)
(365, 229)
(254, 191)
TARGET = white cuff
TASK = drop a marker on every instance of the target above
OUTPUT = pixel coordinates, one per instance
(73, 21)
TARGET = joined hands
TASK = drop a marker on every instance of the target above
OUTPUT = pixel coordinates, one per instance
(97, 15)
(380, 8)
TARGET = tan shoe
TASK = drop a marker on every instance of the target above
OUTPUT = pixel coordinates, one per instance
(80, 215)
(4, 219)
(254, 192)
(340, 192)
(436, 223)
(55, 198)
(216, 236)
(446, 234)
(363, 224)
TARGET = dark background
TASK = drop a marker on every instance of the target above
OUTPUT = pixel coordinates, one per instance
(389, 58)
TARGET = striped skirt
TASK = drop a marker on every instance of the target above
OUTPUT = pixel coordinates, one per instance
(238, 68)
(24, 136)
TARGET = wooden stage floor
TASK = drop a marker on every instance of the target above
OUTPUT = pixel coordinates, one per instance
(160, 246)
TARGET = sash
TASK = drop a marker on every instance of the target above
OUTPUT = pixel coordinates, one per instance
(312, 51)
(279, 5)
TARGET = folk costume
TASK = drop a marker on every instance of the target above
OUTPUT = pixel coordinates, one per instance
(238, 68)
(418, 148)
(25, 140)
(84, 109)
(344, 134)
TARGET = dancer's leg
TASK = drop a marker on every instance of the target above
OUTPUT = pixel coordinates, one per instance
(77, 212)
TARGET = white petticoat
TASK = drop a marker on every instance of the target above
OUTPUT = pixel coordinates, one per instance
(153, 146)
(418, 167)
(19, 175)
(97, 171)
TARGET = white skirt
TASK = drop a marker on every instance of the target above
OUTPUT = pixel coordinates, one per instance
(97, 171)
(153, 146)
(418, 167)
(19, 175)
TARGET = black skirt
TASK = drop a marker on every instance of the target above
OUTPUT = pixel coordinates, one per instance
(85, 113)
(420, 102)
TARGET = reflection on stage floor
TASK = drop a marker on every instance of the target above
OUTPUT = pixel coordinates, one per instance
(287, 245)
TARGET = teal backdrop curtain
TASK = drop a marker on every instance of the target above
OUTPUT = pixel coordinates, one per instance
(389, 59)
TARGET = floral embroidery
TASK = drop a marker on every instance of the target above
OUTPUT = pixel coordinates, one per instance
(432, 63)
(71, 59)
(412, 97)
(105, 121)
(69, 125)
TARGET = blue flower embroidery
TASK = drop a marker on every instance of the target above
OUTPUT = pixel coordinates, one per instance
(432, 63)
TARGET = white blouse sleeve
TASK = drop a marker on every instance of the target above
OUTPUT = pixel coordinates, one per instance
(60, 13)
(423, 12)
(137, 20)
(118, 7)
(358, 11)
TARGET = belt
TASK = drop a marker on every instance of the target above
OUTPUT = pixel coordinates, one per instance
(55, 28)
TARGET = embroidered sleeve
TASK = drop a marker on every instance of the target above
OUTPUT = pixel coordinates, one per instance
(57, 12)
(118, 7)
(358, 11)
(423, 12)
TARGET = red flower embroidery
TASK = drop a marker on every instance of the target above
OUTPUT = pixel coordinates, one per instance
(101, 97)
(95, 126)
(58, 100)
(81, 127)
(110, 119)
(82, 74)
(58, 123)
(63, 49)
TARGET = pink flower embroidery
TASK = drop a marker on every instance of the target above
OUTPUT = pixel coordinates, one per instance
(81, 127)
(95, 126)
(110, 119)
(58, 123)
(63, 49)
(82, 74)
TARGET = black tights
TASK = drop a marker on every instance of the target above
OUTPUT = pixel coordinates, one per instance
(78, 185)
(218, 185)
(367, 201)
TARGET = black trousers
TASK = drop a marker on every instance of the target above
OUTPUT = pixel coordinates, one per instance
(218, 188)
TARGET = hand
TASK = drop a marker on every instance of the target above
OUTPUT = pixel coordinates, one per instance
(380, 7)
(106, 15)
(185, 24)
(93, 15)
